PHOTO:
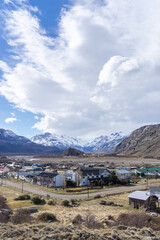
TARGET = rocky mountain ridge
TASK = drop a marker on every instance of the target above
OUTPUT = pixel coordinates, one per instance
(143, 142)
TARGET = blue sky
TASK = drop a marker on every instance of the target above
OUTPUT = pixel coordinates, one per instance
(50, 12)
(82, 68)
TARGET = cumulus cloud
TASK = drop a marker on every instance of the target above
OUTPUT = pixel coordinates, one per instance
(10, 120)
(100, 74)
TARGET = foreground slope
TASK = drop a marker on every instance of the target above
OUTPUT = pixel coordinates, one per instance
(144, 142)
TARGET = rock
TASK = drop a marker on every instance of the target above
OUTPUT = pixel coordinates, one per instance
(146, 232)
(116, 237)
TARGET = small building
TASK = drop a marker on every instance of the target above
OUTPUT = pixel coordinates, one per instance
(123, 175)
(3, 170)
(145, 200)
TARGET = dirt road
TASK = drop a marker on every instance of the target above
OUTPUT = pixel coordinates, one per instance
(108, 191)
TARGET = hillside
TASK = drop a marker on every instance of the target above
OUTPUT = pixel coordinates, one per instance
(72, 152)
(144, 142)
(12, 143)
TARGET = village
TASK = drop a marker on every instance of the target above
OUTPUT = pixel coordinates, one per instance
(59, 175)
(93, 176)
(81, 195)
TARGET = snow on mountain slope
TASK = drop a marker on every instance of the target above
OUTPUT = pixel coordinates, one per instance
(100, 144)
(11, 136)
(62, 141)
(12, 143)
(106, 143)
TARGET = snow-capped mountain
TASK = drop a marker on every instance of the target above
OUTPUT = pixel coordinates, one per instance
(106, 144)
(12, 143)
(100, 144)
(10, 136)
(61, 141)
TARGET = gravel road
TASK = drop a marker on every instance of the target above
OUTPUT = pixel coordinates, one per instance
(108, 191)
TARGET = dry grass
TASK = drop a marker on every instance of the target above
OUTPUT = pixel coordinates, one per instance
(10, 193)
(66, 215)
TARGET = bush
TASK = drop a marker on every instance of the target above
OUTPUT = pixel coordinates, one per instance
(21, 216)
(113, 178)
(38, 200)
(78, 220)
(70, 183)
(91, 222)
(45, 217)
(23, 197)
(75, 202)
(52, 202)
(103, 202)
(4, 217)
(138, 220)
(3, 203)
(97, 196)
(65, 203)
(110, 217)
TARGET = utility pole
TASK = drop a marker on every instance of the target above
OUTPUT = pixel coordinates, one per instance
(22, 186)
(147, 179)
(88, 187)
(2, 179)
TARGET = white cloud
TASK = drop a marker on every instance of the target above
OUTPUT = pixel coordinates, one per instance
(13, 114)
(10, 120)
(100, 74)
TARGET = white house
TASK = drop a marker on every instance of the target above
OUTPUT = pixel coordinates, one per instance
(123, 175)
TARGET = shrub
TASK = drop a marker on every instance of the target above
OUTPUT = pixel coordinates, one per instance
(113, 178)
(4, 217)
(138, 220)
(23, 197)
(75, 202)
(97, 196)
(46, 216)
(110, 217)
(38, 200)
(65, 203)
(21, 216)
(3, 203)
(91, 222)
(70, 183)
(77, 220)
(103, 202)
(52, 202)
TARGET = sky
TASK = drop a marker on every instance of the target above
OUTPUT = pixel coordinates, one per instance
(81, 68)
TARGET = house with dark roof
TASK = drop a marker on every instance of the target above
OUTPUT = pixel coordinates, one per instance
(50, 179)
(90, 176)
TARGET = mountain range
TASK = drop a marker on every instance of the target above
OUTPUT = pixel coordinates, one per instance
(143, 142)
(47, 143)
(100, 144)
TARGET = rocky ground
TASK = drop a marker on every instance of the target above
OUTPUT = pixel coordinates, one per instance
(52, 231)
